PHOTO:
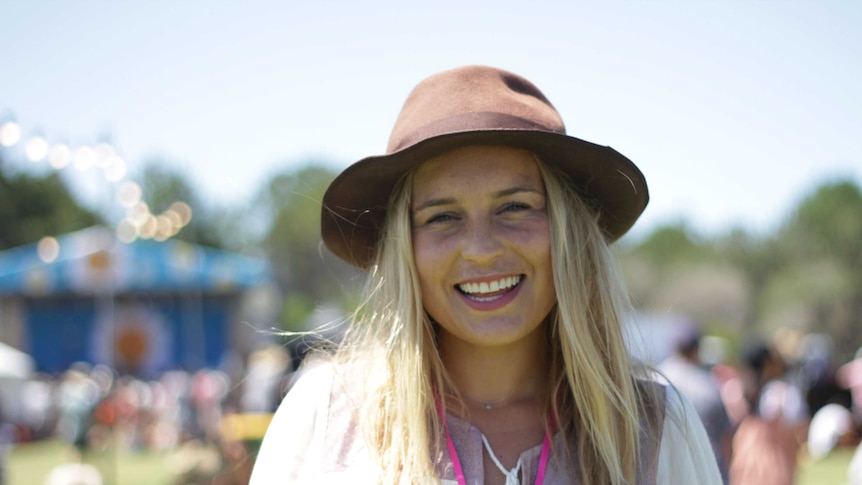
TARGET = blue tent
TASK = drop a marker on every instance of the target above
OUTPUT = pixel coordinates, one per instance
(142, 307)
(92, 261)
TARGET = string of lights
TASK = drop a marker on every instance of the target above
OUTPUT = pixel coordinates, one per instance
(139, 222)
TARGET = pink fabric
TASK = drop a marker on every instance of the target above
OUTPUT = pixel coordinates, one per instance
(764, 453)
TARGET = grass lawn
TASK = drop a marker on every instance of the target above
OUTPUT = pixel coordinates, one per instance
(831, 470)
(29, 465)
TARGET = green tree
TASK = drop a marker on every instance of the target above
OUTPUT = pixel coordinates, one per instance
(758, 259)
(211, 224)
(829, 221)
(307, 273)
(35, 206)
(673, 270)
(806, 276)
(672, 243)
(820, 286)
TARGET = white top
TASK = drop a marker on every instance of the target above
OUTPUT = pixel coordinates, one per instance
(296, 450)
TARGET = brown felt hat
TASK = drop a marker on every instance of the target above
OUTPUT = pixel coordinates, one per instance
(475, 105)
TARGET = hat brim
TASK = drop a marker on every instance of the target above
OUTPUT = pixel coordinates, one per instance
(354, 205)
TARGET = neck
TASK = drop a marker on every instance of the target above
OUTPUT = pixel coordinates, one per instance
(496, 376)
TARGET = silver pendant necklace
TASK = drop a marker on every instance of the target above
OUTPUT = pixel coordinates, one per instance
(489, 405)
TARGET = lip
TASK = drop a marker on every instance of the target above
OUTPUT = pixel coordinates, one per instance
(494, 302)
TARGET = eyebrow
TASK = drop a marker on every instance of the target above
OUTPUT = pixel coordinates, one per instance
(500, 193)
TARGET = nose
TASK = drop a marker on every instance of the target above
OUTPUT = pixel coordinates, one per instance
(481, 244)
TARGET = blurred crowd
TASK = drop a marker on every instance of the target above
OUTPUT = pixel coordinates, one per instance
(208, 420)
(766, 406)
(773, 403)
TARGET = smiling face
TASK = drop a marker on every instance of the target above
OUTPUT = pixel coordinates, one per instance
(481, 244)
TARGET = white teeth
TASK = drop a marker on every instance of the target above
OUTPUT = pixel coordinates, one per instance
(492, 287)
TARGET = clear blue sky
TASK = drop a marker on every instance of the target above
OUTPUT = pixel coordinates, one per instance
(733, 110)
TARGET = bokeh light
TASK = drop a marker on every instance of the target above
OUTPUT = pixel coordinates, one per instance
(148, 228)
(115, 169)
(10, 133)
(48, 249)
(84, 158)
(184, 211)
(103, 153)
(60, 156)
(139, 221)
(129, 194)
(127, 232)
(36, 149)
(175, 218)
(164, 228)
(138, 213)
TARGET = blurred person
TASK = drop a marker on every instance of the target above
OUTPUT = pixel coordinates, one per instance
(208, 388)
(685, 371)
(7, 441)
(76, 397)
(767, 441)
(262, 385)
(489, 348)
(732, 390)
(177, 385)
(164, 431)
(832, 426)
(849, 376)
(816, 374)
(38, 407)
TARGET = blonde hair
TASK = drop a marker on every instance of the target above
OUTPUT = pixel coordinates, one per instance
(595, 397)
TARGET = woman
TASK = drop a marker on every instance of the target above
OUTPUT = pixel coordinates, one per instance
(488, 348)
(768, 439)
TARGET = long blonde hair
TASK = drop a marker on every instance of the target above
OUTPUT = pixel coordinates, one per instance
(391, 337)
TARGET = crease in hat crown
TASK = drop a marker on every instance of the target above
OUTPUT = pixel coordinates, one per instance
(472, 98)
(474, 105)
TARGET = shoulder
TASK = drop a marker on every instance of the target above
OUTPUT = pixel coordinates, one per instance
(309, 393)
(676, 404)
(681, 417)
(295, 427)
(685, 454)
(314, 380)
(314, 435)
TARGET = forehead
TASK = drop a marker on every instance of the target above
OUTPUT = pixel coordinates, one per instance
(475, 167)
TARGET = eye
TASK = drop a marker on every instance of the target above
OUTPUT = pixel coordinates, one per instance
(515, 207)
(440, 218)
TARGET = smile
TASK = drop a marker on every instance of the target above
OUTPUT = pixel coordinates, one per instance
(488, 290)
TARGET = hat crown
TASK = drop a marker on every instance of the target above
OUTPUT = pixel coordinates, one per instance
(472, 98)
(474, 105)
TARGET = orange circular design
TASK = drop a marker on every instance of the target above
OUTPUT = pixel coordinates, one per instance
(100, 261)
(132, 345)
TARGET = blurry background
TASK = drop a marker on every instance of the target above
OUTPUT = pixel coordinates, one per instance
(162, 163)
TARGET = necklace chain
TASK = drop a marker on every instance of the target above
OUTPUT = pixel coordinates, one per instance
(489, 405)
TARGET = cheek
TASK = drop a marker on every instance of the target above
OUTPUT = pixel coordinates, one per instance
(429, 252)
(538, 249)
(535, 242)
(428, 256)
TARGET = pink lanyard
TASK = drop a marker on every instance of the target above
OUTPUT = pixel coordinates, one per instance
(456, 463)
